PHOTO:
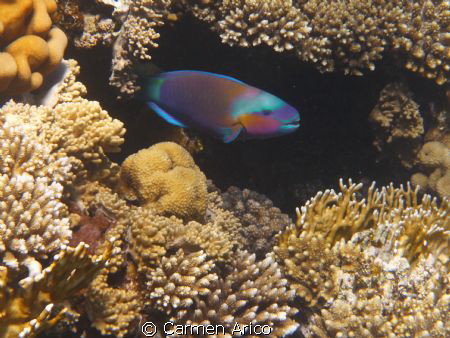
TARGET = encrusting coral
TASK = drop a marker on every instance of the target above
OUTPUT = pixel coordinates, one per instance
(166, 178)
(397, 123)
(370, 266)
(41, 169)
(29, 47)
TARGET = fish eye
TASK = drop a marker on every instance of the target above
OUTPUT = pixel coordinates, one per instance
(265, 112)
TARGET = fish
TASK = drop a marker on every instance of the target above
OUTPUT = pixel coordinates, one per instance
(219, 105)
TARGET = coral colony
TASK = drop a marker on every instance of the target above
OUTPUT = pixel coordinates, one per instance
(91, 247)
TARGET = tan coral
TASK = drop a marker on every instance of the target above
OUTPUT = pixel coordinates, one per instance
(80, 129)
(253, 292)
(260, 219)
(113, 310)
(349, 35)
(397, 123)
(278, 24)
(166, 178)
(417, 228)
(434, 157)
(424, 36)
(368, 266)
(178, 281)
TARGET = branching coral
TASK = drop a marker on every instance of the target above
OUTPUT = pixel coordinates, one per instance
(80, 129)
(162, 265)
(397, 123)
(356, 261)
(350, 35)
(29, 46)
(249, 23)
(252, 293)
(37, 171)
(166, 178)
(424, 37)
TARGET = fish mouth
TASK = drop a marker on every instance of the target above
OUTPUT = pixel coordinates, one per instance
(293, 124)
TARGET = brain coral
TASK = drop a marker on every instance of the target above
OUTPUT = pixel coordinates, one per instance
(373, 266)
(165, 177)
(29, 46)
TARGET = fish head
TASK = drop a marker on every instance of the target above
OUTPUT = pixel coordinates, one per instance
(268, 116)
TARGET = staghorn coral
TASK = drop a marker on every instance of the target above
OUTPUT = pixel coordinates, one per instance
(259, 218)
(397, 123)
(166, 178)
(38, 302)
(34, 222)
(29, 47)
(356, 262)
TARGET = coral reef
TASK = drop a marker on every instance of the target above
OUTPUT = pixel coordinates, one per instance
(350, 36)
(422, 38)
(177, 269)
(166, 178)
(29, 47)
(80, 128)
(397, 123)
(356, 261)
(253, 292)
(41, 169)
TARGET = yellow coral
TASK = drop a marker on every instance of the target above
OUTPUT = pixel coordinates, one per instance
(165, 177)
(27, 309)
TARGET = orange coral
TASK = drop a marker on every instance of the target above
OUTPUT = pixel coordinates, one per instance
(31, 47)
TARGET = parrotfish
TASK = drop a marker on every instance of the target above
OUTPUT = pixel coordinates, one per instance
(218, 105)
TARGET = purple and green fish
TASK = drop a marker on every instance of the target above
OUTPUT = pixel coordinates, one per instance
(218, 105)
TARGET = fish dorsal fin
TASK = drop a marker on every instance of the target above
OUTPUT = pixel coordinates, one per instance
(165, 115)
(231, 133)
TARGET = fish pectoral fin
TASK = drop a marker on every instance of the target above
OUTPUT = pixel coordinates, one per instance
(231, 133)
(165, 115)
